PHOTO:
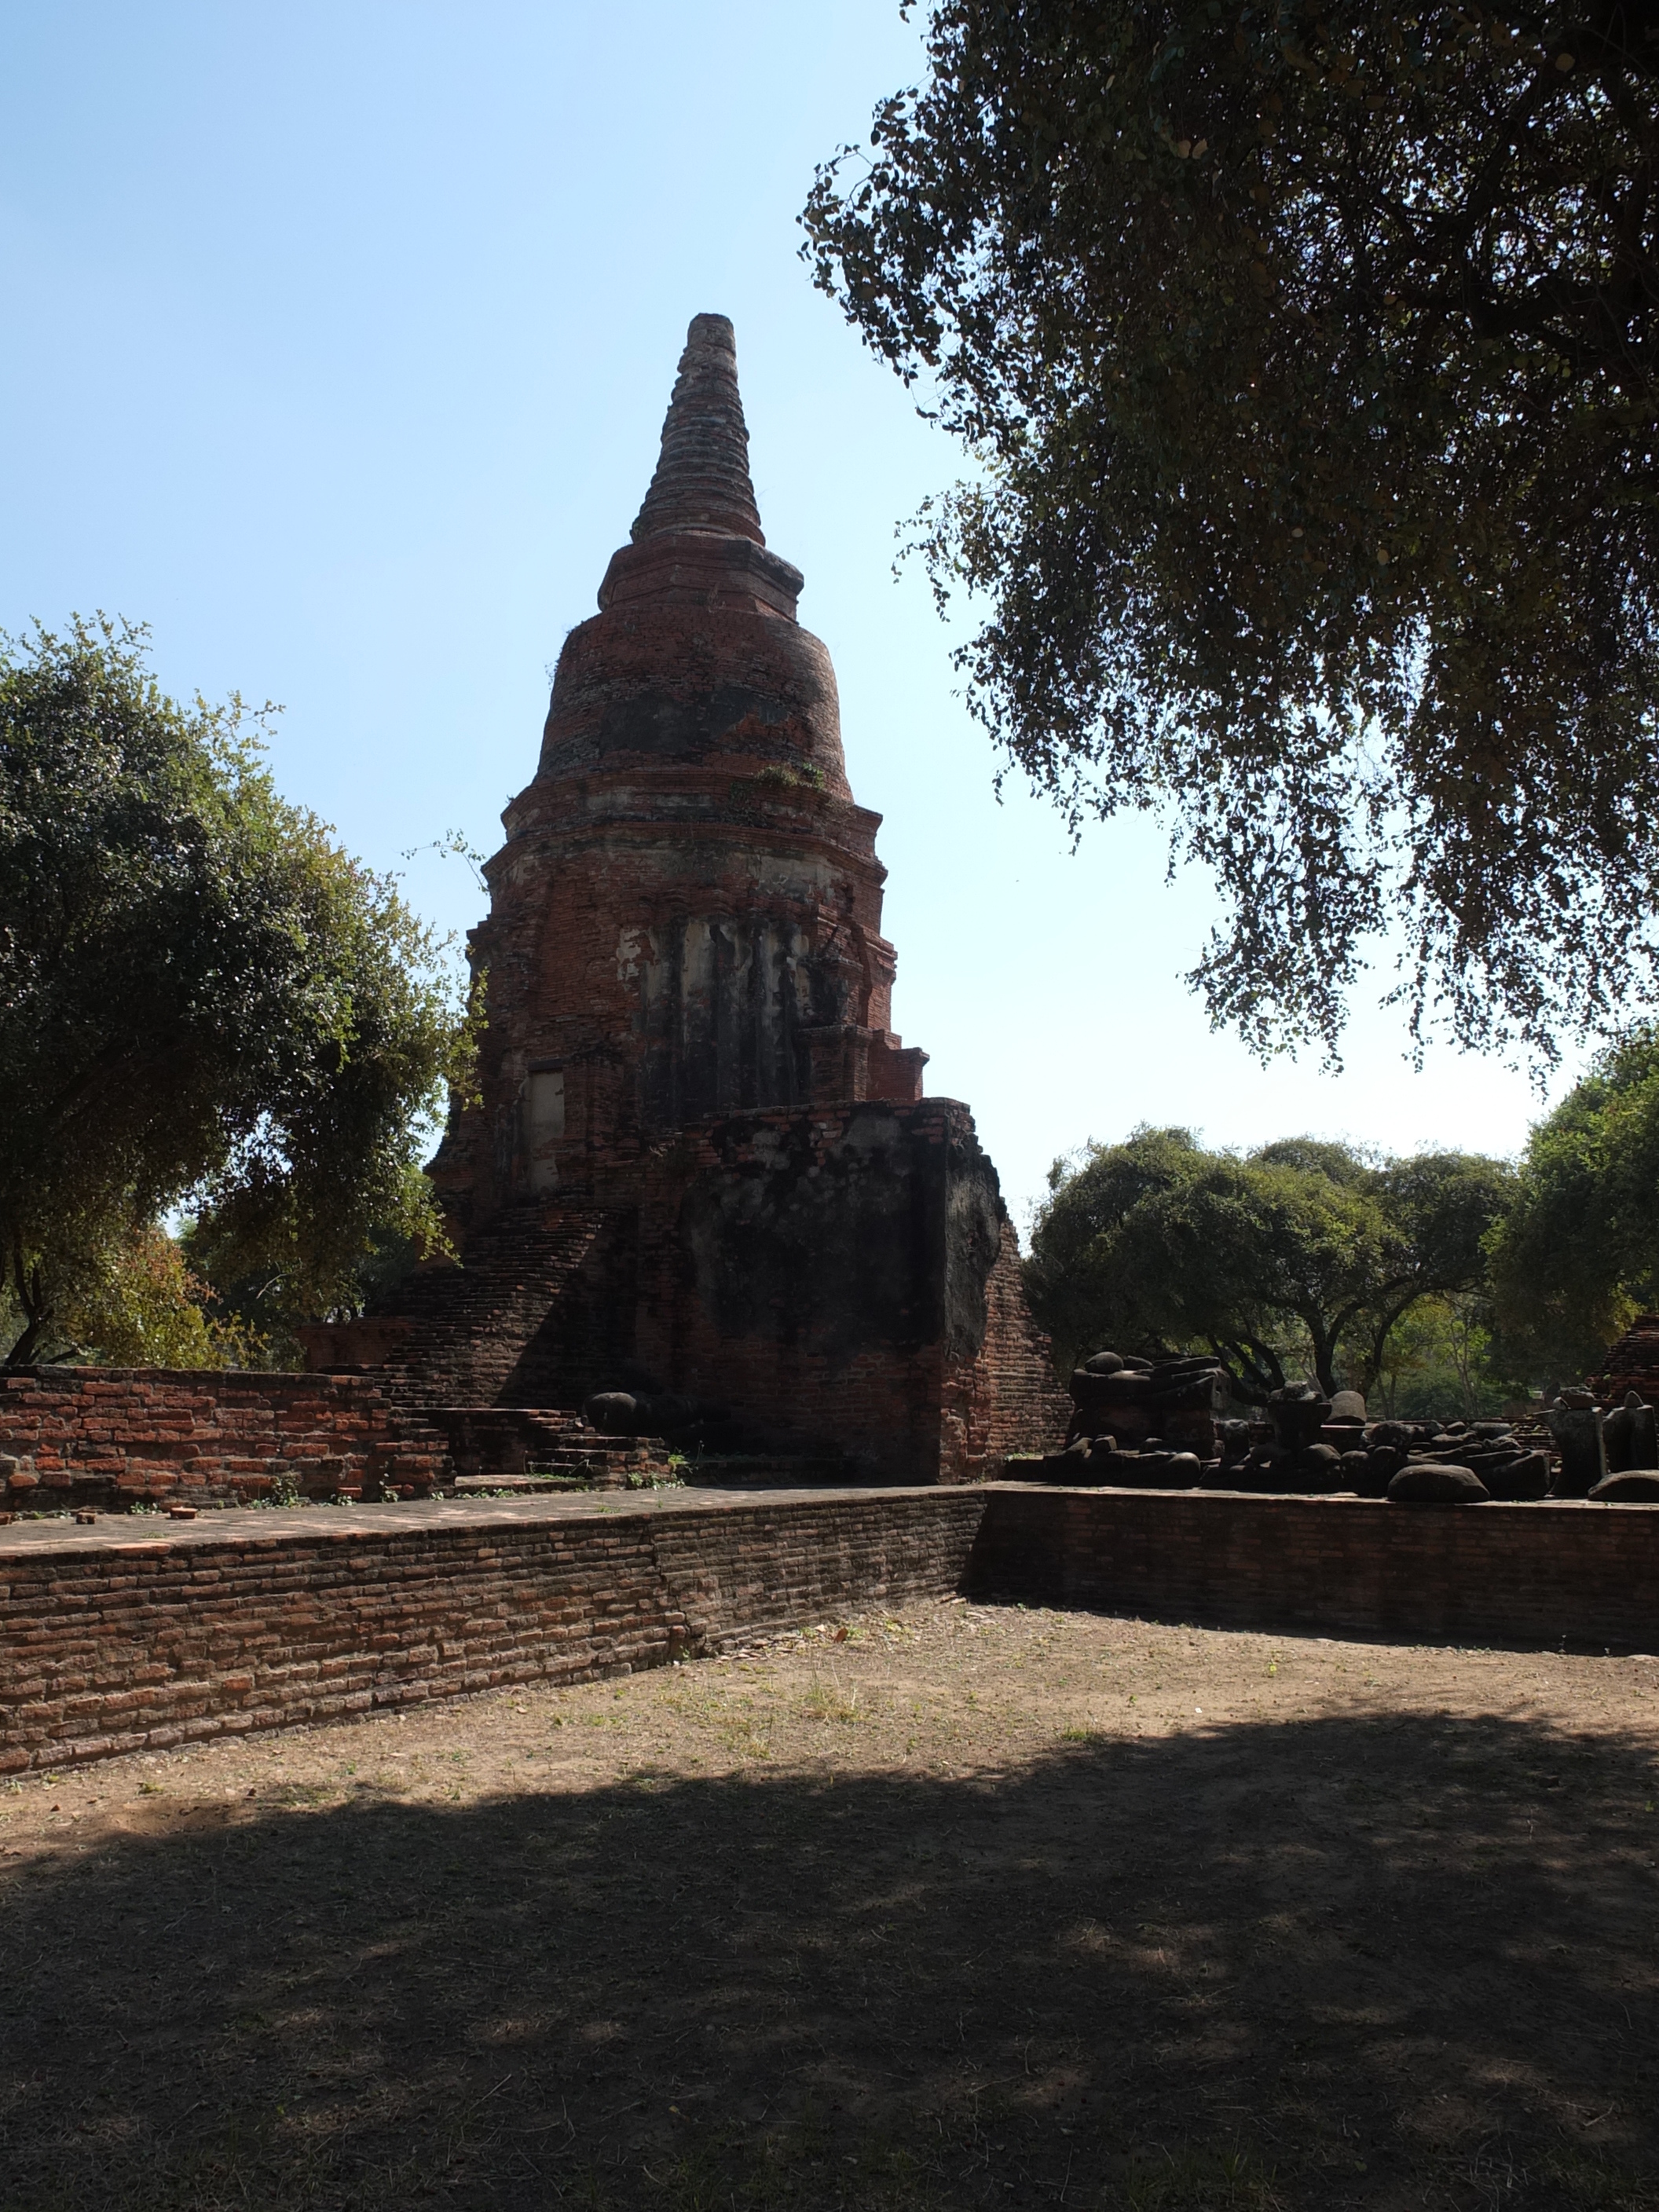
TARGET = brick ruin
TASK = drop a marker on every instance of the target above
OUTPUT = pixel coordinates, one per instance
(121, 1637)
(701, 1173)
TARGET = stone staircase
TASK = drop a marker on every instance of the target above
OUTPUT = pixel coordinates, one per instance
(529, 1448)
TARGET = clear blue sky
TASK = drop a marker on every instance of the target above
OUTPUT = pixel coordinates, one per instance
(338, 341)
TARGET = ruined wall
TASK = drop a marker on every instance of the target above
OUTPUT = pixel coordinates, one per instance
(1016, 1397)
(842, 1281)
(120, 1638)
(848, 1280)
(1632, 1364)
(1479, 1574)
(108, 1437)
(113, 1642)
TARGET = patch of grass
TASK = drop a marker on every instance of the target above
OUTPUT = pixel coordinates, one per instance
(1194, 2179)
(1581, 2180)
(832, 1700)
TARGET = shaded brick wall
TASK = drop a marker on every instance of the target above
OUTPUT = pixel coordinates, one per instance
(104, 1436)
(1018, 1405)
(844, 1280)
(112, 1643)
(848, 1280)
(1497, 1574)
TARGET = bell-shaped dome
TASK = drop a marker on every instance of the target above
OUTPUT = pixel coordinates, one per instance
(696, 657)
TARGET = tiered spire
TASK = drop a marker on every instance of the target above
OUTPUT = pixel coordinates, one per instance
(702, 481)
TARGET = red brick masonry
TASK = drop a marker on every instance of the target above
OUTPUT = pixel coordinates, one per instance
(107, 1435)
(114, 1638)
(1484, 1574)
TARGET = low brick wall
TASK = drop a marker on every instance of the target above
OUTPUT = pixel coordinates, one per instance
(112, 1436)
(1487, 1574)
(129, 1636)
(113, 1641)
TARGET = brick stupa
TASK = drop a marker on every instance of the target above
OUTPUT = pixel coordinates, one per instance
(701, 1163)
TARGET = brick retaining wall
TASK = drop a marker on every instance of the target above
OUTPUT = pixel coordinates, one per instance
(112, 1640)
(129, 1636)
(110, 1435)
(1488, 1574)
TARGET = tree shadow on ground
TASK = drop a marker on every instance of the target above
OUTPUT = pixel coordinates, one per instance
(1369, 1961)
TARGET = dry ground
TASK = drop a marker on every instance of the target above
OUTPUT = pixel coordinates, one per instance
(978, 1907)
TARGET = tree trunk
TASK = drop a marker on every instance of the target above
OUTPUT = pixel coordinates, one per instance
(1252, 1369)
(30, 1291)
(1324, 1353)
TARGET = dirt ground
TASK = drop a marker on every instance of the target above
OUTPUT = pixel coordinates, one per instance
(979, 1907)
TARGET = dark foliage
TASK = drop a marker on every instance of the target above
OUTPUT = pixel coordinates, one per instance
(201, 996)
(1579, 1252)
(1301, 1255)
(1307, 354)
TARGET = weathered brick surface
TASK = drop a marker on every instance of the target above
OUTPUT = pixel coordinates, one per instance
(104, 1436)
(1486, 1574)
(688, 1009)
(114, 1642)
(846, 1280)
(1017, 1405)
(685, 919)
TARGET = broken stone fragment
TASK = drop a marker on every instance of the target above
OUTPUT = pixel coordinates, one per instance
(1518, 1478)
(1318, 1468)
(1297, 1415)
(1578, 1438)
(1637, 1486)
(1158, 1470)
(1431, 1482)
(1382, 1463)
(1631, 1434)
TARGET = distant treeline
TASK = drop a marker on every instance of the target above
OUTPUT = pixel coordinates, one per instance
(1440, 1282)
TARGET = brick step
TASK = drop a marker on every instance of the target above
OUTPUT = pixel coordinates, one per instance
(773, 1471)
(473, 1486)
(488, 1441)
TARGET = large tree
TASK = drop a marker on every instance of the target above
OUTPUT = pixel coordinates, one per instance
(1307, 356)
(1299, 1252)
(1578, 1253)
(202, 998)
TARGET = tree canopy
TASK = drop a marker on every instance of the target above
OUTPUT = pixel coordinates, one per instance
(1578, 1253)
(134, 1301)
(202, 998)
(1301, 1252)
(1306, 354)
